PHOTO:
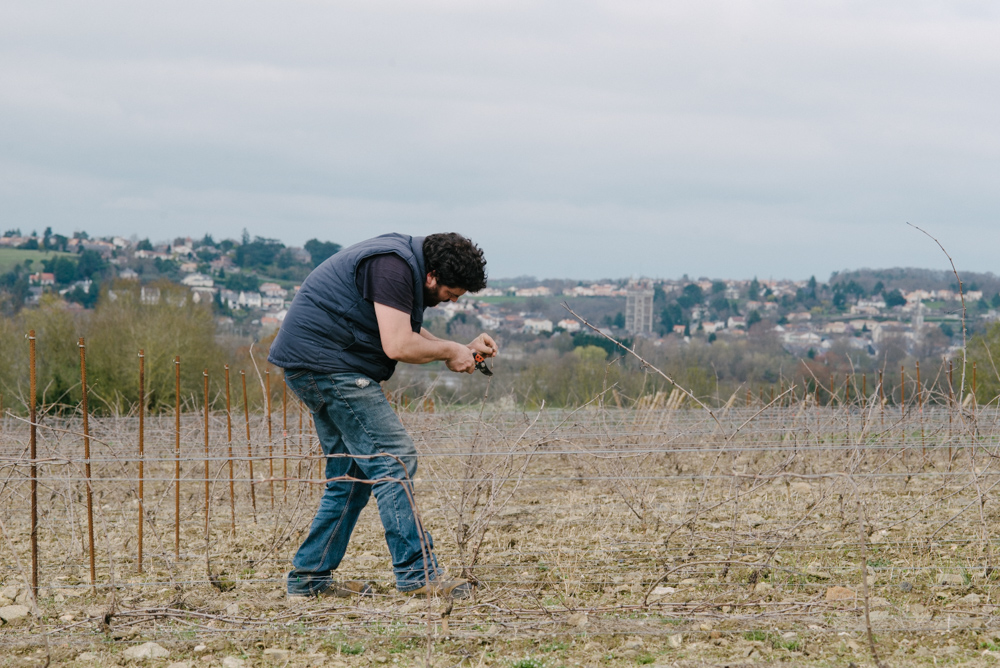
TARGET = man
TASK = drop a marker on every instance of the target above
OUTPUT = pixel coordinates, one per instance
(356, 315)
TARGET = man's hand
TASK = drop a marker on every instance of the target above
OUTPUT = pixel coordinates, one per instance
(462, 359)
(485, 345)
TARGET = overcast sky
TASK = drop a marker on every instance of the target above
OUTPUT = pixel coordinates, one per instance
(569, 139)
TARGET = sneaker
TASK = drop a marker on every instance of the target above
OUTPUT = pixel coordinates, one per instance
(344, 589)
(445, 589)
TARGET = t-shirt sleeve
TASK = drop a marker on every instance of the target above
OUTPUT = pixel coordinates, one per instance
(387, 280)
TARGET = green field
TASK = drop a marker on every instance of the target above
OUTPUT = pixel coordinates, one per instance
(10, 257)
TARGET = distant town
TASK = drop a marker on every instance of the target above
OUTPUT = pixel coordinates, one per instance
(250, 282)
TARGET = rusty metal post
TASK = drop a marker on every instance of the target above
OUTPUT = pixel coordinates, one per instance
(284, 438)
(902, 408)
(177, 457)
(33, 444)
(142, 446)
(320, 461)
(298, 467)
(902, 390)
(881, 398)
(974, 398)
(270, 443)
(920, 410)
(229, 442)
(246, 413)
(864, 387)
(86, 459)
(920, 395)
(951, 404)
(847, 391)
(204, 374)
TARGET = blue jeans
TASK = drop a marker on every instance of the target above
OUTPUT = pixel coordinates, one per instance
(362, 438)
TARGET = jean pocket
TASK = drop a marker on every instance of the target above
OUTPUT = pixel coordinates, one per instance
(305, 388)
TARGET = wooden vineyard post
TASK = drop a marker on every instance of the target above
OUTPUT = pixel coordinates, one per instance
(229, 442)
(270, 443)
(142, 456)
(920, 411)
(208, 492)
(951, 405)
(86, 459)
(881, 398)
(298, 466)
(246, 413)
(177, 457)
(284, 438)
(33, 446)
(902, 391)
(975, 399)
(902, 407)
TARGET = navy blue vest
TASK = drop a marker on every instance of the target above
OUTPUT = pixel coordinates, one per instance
(331, 328)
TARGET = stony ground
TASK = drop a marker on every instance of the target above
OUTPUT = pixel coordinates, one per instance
(598, 538)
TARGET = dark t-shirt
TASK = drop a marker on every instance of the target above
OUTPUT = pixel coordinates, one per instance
(387, 280)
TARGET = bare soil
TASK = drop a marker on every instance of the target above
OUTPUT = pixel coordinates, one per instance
(600, 537)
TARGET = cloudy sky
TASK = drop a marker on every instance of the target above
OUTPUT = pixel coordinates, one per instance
(580, 139)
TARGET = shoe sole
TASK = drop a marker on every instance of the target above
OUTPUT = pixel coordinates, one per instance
(345, 590)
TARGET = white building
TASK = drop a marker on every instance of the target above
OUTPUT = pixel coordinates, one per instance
(198, 281)
(250, 300)
(273, 290)
(569, 325)
(537, 325)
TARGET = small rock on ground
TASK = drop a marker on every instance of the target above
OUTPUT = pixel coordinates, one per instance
(86, 657)
(149, 650)
(633, 643)
(675, 641)
(232, 662)
(179, 664)
(951, 579)
(12, 613)
(276, 655)
(839, 594)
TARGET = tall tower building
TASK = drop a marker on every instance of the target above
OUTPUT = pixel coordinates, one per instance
(639, 310)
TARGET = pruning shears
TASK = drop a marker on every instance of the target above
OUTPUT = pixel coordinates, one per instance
(481, 364)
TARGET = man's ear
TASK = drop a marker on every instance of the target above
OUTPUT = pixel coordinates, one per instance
(431, 281)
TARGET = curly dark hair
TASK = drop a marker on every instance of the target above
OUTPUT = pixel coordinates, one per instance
(455, 261)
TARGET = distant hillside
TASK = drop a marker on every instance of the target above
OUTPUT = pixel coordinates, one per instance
(912, 278)
(11, 257)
